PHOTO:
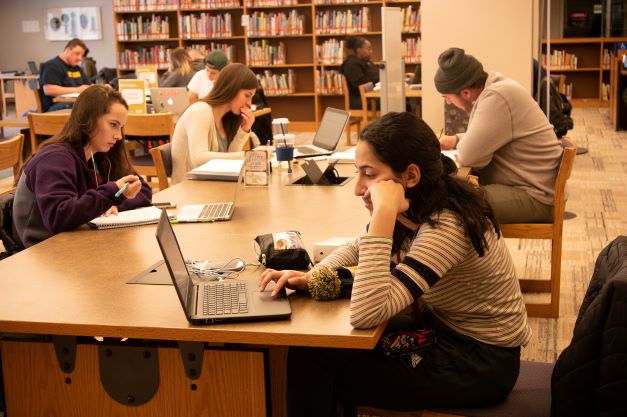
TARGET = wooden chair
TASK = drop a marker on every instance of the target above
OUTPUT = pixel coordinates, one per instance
(162, 157)
(363, 89)
(356, 117)
(146, 127)
(46, 125)
(552, 231)
(11, 154)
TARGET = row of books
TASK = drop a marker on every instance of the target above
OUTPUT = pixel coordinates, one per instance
(143, 28)
(277, 84)
(269, 3)
(411, 50)
(331, 2)
(276, 24)
(410, 19)
(329, 82)
(343, 21)
(229, 50)
(330, 52)
(261, 53)
(209, 4)
(560, 60)
(144, 5)
(158, 56)
(206, 26)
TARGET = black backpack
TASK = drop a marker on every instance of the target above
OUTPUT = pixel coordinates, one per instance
(11, 245)
(559, 115)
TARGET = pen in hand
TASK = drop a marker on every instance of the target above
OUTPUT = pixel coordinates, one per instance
(121, 190)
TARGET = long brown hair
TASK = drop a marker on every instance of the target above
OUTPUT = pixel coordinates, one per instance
(90, 106)
(181, 61)
(233, 78)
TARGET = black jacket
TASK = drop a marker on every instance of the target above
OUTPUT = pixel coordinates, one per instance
(358, 71)
(590, 375)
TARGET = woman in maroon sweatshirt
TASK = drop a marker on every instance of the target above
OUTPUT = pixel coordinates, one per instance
(75, 175)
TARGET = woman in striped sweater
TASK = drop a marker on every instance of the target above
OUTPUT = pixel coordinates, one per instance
(432, 243)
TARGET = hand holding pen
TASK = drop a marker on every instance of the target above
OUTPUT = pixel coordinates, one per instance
(129, 186)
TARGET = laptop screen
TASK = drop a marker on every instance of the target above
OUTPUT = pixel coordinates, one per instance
(174, 258)
(331, 128)
(169, 99)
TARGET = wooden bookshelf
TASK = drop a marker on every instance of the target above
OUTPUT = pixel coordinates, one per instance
(306, 103)
(591, 76)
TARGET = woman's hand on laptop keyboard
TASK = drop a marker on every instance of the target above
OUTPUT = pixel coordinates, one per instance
(294, 280)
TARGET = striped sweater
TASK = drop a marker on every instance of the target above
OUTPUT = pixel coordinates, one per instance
(476, 296)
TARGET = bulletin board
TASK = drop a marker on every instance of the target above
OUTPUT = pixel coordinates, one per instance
(66, 23)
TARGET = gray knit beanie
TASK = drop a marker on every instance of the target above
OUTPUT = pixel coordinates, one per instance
(216, 59)
(456, 71)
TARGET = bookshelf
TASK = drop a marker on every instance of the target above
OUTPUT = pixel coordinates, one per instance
(586, 64)
(294, 46)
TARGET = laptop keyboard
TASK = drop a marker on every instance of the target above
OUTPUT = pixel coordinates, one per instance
(225, 298)
(215, 211)
(306, 149)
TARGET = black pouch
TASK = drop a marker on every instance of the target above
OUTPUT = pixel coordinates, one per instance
(283, 250)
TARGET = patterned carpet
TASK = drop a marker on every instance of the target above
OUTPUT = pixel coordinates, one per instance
(598, 188)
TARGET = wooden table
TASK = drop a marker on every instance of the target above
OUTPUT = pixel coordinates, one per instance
(375, 95)
(75, 284)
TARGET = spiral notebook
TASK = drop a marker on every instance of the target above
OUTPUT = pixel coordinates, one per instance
(136, 217)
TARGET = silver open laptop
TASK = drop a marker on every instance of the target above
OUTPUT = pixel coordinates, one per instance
(169, 99)
(327, 136)
(207, 302)
(210, 212)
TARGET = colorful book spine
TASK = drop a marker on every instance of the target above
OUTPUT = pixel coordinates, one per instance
(229, 50)
(343, 21)
(410, 50)
(143, 28)
(269, 3)
(277, 84)
(210, 4)
(144, 5)
(329, 82)
(330, 52)
(261, 53)
(158, 55)
(206, 26)
(276, 24)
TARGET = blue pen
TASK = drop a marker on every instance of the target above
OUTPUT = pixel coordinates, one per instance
(121, 190)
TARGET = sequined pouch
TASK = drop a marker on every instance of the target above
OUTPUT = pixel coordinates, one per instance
(409, 343)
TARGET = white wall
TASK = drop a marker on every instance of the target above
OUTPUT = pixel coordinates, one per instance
(498, 33)
(17, 48)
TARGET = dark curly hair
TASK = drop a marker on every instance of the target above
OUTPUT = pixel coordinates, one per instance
(401, 139)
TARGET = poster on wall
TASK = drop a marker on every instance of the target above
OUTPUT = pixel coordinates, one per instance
(66, 23)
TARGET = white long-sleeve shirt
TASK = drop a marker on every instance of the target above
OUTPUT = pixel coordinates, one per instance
(195, 141)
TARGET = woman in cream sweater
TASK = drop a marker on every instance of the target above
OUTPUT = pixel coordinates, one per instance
(217, 126)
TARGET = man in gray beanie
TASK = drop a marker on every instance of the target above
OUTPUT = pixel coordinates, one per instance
(509, 141)
(202, 82)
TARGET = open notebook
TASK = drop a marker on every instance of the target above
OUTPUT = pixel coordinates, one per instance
(136, 217)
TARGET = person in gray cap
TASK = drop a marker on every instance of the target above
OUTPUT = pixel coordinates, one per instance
(509, 141)
(202, 82)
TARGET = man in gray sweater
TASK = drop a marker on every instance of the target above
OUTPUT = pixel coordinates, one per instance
(509, 141)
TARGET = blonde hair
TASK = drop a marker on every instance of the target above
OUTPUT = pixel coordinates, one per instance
(181, 61)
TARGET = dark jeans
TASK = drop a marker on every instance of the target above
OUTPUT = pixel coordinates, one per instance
(456, 371)
(60, 106)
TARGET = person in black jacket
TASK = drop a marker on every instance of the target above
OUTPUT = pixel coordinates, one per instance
(590, 375)
(358, 68)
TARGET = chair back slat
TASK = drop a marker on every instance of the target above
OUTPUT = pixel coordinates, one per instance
(45, 124)
(147, 125)
(11, 154)
(162, 158)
